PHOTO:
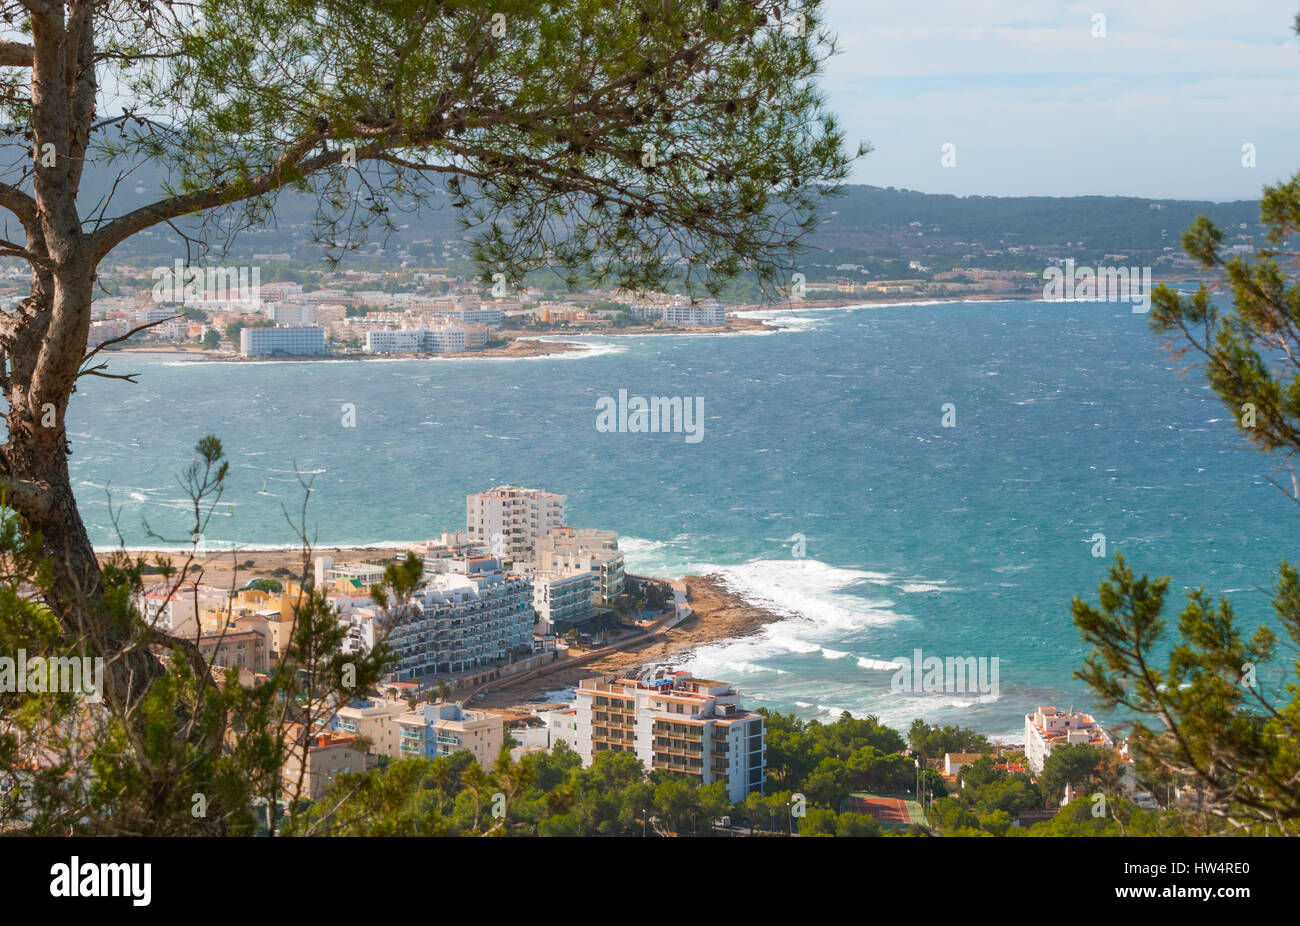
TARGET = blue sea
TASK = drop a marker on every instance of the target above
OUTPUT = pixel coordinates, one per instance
(963, 541)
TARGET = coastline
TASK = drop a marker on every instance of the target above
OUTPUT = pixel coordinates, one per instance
(717, 615)
(514, 348)
(521, 343)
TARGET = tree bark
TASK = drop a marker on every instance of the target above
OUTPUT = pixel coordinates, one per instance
(36, 456)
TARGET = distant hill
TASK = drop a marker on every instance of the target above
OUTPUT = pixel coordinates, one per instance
(866, 224)
(1114, 223)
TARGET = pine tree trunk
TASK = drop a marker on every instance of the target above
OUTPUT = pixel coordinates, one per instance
(42, 378)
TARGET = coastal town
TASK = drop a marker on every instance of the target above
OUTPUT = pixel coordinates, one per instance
(528, 637)
(869, 421)
(237, 312)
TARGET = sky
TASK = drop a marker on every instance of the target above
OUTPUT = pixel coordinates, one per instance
(1157, 99)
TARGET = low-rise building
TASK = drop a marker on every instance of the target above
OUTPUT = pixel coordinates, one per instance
(954, 762)
(433, 730)
(394, 730)
(361, 575)
(441, 339)
(561, 727)
(449, 552)
(679, 310)
(240, 649)
(373, 720)
(175, 610)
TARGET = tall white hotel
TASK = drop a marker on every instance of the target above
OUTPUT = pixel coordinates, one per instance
(520, 516)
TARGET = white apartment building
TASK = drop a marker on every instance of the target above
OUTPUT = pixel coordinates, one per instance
(510, 519)
(152, 314)
(561, 726)
(490, 317)
(1047, 728)
(102, 331)
(456, 623)
(681, 312)
(562, 599)
(570, 549)
(680, 724)
(678, 310)
(395, 341)
(267, 342)
(442, 339)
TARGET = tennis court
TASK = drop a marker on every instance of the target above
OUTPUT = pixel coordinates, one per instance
(892, 810)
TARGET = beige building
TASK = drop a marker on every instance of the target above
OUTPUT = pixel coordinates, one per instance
(327, 755)
(241, 649)
(430, 730)
(374, 721)
(572, 549)
(441, 729)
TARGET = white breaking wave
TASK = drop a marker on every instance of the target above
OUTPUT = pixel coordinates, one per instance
(813, 600)
(811, 591)
(878, 665)
(928, 587)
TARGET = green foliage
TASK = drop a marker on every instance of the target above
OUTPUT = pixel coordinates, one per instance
(684, 132)
(1088, 768)
(266, 585)
(198, 753)
(1208, 710)
(932, 742)
(1203, 716)
(796, 748)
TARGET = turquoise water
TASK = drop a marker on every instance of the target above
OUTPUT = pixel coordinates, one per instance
(965, 542)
